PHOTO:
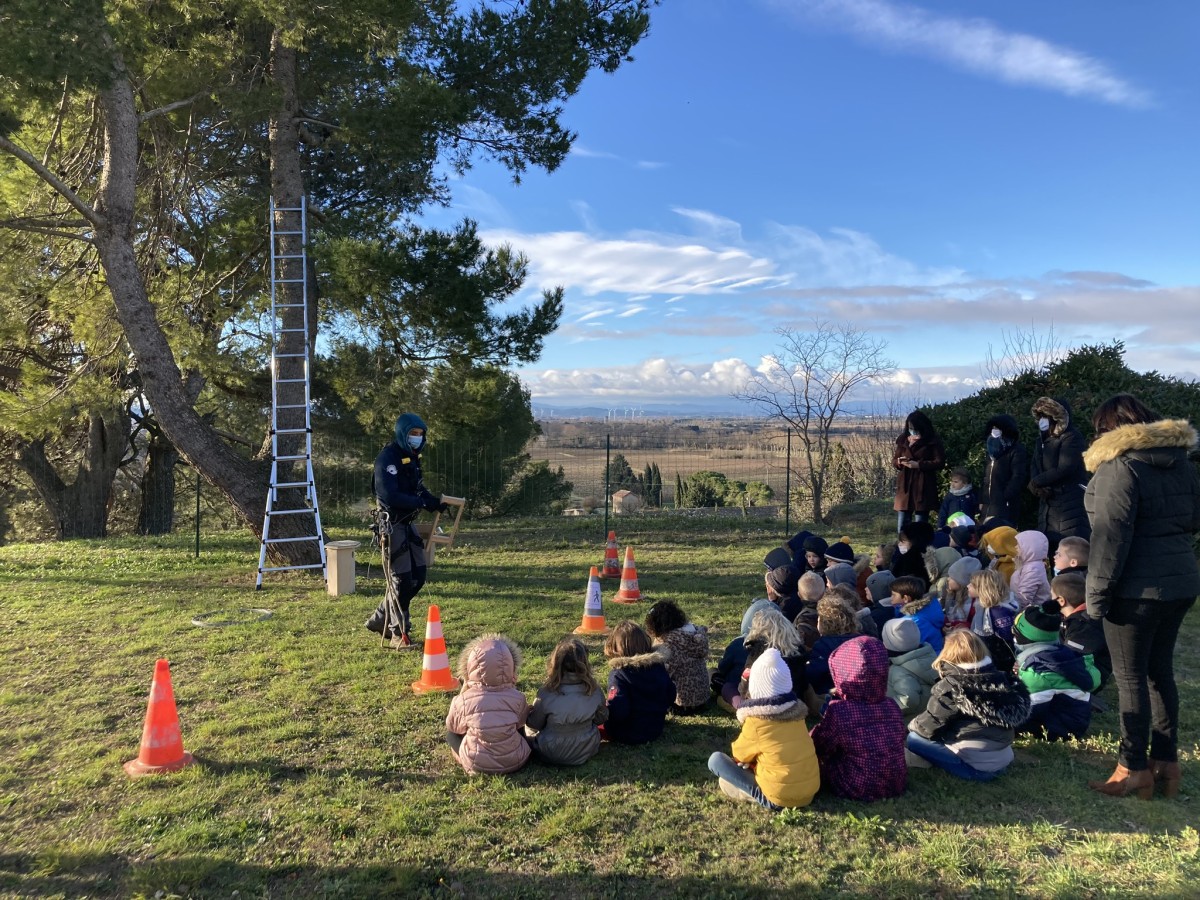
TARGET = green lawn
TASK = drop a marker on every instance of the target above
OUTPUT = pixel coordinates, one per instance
(320, 773)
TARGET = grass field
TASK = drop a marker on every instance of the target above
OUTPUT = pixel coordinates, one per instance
(320, 773)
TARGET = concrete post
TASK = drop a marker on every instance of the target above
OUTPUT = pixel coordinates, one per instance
(339, 557)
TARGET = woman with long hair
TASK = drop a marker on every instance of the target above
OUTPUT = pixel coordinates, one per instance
(918, 457)
(1142, 578)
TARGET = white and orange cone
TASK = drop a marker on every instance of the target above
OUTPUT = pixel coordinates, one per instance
(162, 746)
(435, 665)
(612, 568)
(593, 613)
(629, 592)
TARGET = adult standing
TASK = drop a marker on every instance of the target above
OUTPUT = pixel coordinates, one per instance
(402, 495)
(1006, 471)
(918, 457)
(1057, 472)
(1142, 578)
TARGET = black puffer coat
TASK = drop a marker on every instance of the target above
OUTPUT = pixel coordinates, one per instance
(1144, 502)
(1057, 474)
(1005, 475)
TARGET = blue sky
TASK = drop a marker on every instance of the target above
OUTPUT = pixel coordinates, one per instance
(939, 173)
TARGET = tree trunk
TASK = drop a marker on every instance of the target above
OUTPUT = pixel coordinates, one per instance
(80, 508)
(241, 481)
(156, 514)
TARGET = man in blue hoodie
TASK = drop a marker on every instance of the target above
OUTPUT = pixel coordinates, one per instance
(402, 495)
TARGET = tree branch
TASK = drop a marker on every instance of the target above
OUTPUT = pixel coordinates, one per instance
(34, 225)
(53, 180)
(171, 107)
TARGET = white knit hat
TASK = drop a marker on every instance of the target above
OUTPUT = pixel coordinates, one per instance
(769, 676)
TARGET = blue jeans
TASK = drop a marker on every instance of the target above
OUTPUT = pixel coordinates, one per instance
(723, 766)
(944, 758)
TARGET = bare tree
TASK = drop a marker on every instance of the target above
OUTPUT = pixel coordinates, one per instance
(1023, 351)
(807, 382)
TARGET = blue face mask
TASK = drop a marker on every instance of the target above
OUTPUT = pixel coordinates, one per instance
(912, 432)
(416, 441)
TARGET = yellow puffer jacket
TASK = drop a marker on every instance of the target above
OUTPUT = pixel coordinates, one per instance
(784, 759)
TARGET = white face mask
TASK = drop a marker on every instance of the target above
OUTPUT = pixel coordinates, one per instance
(1056, 571)
(416, 440)
(996, 433)
(1043, 424)
(903, 548)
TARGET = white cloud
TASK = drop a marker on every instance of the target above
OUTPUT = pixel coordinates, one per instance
(974, 45)
(632, 311)
(651, 379)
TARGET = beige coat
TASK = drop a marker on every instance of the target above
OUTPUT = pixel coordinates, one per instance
(490, 711)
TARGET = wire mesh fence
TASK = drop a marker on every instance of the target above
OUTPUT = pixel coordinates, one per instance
(742, 468)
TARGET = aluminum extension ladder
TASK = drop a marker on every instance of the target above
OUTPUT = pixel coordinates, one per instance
(291, 393)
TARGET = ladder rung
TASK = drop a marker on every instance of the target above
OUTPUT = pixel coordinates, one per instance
(292, 330)
(288, 568)
(290, 458)
(291, 431)
(289, 305)
(291, 484)
(289, 355)
(308, 511)
(293, 406)
(290, 280)
(287, 233)
(290, 380)
(291, 540)
(289, 256)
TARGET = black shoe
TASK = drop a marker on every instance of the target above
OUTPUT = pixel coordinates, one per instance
(374, 624)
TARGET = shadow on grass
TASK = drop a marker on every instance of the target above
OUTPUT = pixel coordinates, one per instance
(113, 875)
(278, 770)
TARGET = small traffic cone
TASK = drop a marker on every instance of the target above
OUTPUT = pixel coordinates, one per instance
(435, 665)
(593, 614)
(162, 745)
(629, 592)
(612, 568)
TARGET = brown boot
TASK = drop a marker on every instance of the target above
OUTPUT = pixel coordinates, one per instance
(1167, 776)
(1123, 782)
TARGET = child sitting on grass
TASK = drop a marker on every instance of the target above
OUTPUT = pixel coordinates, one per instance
(1060, 681)
(908, 593)
(568, 707)
(974, 710)
(994, 627)
(771, 629)
(1029, 581)
(860, 738)
(483, 726)
(836, 625)
(640, 690)
(686, 654)
(1079, 630)
(910, 675)
(961, 611)
(773, 762)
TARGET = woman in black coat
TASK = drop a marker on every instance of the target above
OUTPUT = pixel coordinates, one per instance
(918, 457)
(1006, 471)
(1142, 578)
(1057, 473)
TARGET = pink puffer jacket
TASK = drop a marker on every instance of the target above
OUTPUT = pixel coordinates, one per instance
(490, 711)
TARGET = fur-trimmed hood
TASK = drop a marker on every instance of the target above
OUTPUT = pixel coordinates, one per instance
(988, 695)
(1057, 411)
(491, 660)
(1169, 434)
(915, 606)
(781, 707)
(938, 562)
(862, 562)
(659, 656)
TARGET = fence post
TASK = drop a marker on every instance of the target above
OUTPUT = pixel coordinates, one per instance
(787, 488)
(197, 514)
(607, 449)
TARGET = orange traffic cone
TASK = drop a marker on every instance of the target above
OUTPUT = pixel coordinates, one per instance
(593, 615)
(612, 569)
(162, 746)
(435, 666)
(629, 592)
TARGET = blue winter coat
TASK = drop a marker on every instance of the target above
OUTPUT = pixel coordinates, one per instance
(639, 694)
(930, 617)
